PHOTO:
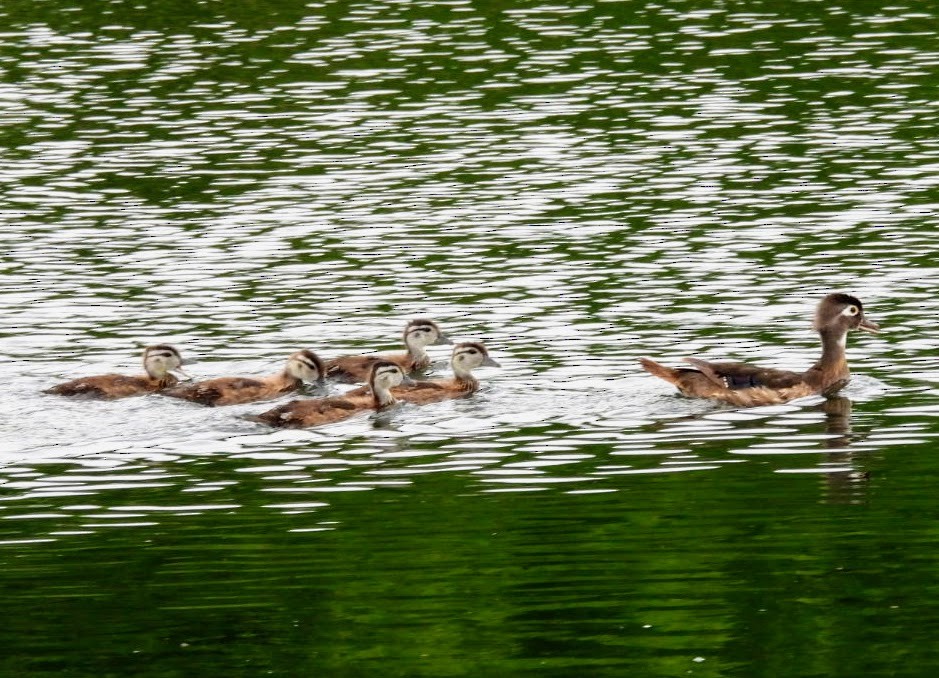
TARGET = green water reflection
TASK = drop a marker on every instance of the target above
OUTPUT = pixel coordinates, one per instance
(668, 575)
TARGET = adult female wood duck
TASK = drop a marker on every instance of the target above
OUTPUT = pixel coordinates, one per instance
(748, 386)
(301, 366)
(466, 357)
(418, 334)
(317, 411)
(158, 363)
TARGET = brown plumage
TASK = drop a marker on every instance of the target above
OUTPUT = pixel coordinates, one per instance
(301, 366)
(466, 357)
(158, 362)
(748, 385)
(318, 411)
(417, 335)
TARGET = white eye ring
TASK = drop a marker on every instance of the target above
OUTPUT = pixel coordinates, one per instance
(853, 310)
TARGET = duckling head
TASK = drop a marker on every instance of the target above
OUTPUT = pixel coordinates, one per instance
(384, 376)
(421, 332)
(306, 366)
(161, 359)
(839, 313)
(468, 356)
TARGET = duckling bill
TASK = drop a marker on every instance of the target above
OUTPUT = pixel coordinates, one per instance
(748, 385)
(159, 362)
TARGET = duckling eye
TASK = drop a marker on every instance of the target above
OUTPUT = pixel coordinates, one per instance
(853, 310)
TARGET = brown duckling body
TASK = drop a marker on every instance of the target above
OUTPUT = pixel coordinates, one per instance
(747, 385)
(466, 357)
(418, 334)
(318, 411)
(158, 363)
(301, 366)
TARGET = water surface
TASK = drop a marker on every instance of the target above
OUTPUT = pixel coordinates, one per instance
(575, 186)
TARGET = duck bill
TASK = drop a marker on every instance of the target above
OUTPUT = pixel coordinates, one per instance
(407, 381)
(869, 326)
(489, 362)
(442, 340)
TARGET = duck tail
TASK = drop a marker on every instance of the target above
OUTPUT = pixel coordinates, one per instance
(667, 373)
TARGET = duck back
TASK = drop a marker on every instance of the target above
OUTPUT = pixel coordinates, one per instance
(232, 391)
(111, 386)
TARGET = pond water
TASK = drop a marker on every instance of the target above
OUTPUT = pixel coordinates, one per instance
(576, 186)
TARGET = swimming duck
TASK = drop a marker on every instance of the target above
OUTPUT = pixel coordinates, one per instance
(418, 334)
(301, 366)
(466, 357)
(748, 386)
(158, 362)
(317, 411)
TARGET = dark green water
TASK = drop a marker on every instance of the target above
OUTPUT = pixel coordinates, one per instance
(574, 185)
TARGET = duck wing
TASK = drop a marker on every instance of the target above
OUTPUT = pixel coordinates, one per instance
(737, 376)
(421, 386)
(105, 386)
(221, 391)
(306, 412)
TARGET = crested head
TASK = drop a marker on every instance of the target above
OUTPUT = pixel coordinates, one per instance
(839, 312)
(468, 356)
(160, 359)
(306, 366)
(422, 332)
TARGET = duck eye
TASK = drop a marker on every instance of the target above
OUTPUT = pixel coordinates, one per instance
(853, 310)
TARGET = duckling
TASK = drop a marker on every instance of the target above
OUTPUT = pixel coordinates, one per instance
(747, 386)
(158, 362)
(466, 357)
(317, 411)
(418, 334)
(301, 366)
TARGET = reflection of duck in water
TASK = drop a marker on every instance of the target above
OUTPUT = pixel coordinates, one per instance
(748, 385)
(837, 411)
(418, 334)
(844, 483)
(466, 357)
(301, 366)
(158, 363)
(317, 411)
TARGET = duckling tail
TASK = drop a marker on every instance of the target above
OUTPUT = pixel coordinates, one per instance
(259, 419)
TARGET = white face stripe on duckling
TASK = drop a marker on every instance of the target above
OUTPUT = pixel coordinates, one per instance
(302, 367)
(158, 360)
(163, 352)
(470, 356)
(388, 375)
(384, 377)
(424, 334)
(467, 352)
